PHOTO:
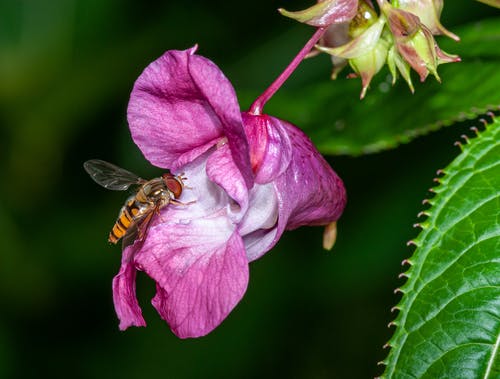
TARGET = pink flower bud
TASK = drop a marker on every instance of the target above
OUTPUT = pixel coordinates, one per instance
(429, 12)
(415, 42)
(367, 51)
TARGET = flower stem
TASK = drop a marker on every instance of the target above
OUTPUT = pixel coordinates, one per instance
(258, 105)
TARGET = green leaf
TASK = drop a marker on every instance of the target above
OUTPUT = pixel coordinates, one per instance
(338, 122)
(448, 324)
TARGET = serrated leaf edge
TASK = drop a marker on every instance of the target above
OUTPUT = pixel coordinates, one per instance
(409, 135)
(441, 180)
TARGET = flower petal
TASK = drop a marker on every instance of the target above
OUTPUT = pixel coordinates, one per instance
(177, 112)
(201, 272)
(263, 210)
(201, 197)
(219, 92)
(222, 170)
(126, 305)
(270, 147)
(309, 192)
(259, 242)
(258, 227)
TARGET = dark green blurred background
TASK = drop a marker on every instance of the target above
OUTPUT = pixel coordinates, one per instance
(66, 70)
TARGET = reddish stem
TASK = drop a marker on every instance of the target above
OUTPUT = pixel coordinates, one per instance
(258, 104)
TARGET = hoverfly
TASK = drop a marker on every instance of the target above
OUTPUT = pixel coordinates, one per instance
(151, 196)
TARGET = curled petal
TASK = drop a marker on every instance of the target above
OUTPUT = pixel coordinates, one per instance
(258, 227)
(221, 169)
(182, 105)
(201, 272)
(124, 297)
(309, 192)
(260, 242)
(263, 213)
(325, 12)
(270, 147)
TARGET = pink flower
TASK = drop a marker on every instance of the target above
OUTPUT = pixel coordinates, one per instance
(249, 178)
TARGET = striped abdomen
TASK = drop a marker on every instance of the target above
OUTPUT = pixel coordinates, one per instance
(129, 214)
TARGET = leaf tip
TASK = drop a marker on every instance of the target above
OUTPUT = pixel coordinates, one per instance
(465, 138)
(422, 214)
(403, 275)
(384, 361)
(459, 144)
(406, 262)
(395, 308)
(426, 202)
(411, 243)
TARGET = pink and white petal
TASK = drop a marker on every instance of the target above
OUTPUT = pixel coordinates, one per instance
(126, 306)
(201, 196)
(262, 211)
(170, 118)
(220, 94)
(259, 242)
(309, 192)
(222, 170)
(258, 227)
(270, 147)
(201, 271)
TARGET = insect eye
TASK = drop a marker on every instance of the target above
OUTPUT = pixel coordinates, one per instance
(173, 184)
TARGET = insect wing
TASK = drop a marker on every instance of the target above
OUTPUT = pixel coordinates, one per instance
(110, 176)
(138, 229)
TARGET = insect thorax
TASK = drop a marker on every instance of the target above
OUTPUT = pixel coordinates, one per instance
(154, 191)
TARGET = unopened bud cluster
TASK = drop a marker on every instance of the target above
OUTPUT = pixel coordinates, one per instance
(399, 33)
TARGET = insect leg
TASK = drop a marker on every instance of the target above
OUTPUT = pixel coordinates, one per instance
(177, 202)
